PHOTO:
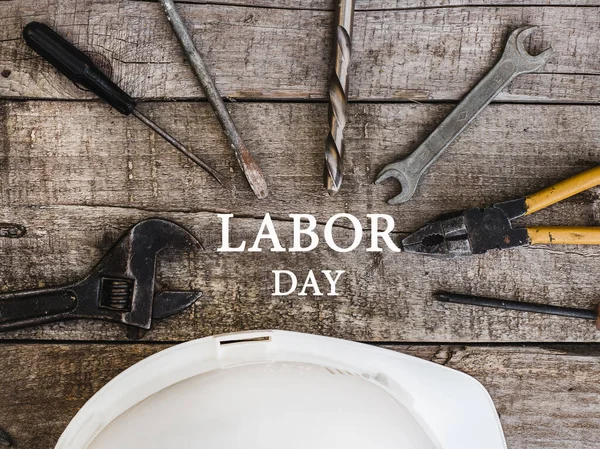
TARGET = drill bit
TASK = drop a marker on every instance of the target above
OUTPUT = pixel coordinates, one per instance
(338, 97)
(251, 170)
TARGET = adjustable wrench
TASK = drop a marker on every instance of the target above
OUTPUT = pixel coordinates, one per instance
(514, 61)
(121, 288)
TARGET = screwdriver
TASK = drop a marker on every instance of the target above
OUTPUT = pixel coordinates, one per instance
(571, 312)
(80, 69)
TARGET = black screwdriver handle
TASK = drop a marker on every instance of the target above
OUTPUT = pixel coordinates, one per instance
(76, 65)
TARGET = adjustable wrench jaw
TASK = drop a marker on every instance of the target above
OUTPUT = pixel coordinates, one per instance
(125, 279)
(121, 288)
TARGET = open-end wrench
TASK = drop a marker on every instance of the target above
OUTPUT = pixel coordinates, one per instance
(515, 61)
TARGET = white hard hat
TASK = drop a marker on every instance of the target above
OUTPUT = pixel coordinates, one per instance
(275, 389)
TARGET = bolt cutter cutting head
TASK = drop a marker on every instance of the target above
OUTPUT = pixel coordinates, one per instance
(474, 231)
(121, 288)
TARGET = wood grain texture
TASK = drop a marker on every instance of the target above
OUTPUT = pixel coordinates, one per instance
(546, 397)
(366, 5)
(271, 53)
(78, 175)
(383, 297)
(78, 185)
(99, 158)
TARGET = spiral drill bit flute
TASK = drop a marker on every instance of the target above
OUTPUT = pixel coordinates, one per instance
(338, 97)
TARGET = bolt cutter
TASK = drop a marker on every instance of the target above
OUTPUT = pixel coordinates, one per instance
(475, 231)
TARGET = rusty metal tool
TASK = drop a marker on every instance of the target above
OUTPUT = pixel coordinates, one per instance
(249, 166)
(338, 97)
(5, 439)
(515, 61)
(476, 231)
(571, 312)
(12, 231)
(80, 69)
(121, 288)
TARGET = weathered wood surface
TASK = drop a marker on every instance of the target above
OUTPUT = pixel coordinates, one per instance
(383, 297)
(279, 53)
(546, 398)
(366, 5)
(78, 175)
(78, 186)
(99, 158)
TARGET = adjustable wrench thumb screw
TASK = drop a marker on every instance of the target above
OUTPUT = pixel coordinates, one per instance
(514, 61)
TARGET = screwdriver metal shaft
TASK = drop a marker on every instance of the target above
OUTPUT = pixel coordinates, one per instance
(572, 312)
(80, 69)
(169, 138)
(338, 97)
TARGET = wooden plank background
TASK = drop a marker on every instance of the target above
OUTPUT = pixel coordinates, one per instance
(78, 174)
(439, 57)
(546, 397)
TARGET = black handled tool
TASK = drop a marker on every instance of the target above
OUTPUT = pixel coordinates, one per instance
(12, 231)
(5, 439)
(79, 68)
(121, 288)
(572, 312)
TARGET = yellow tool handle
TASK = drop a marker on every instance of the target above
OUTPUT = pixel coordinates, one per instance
(563, 189)
(564, 235)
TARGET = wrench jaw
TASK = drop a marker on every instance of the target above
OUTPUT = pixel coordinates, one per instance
(516, 51)
(134, 258)
(121, 288)
(167, 304)
(397, 171)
